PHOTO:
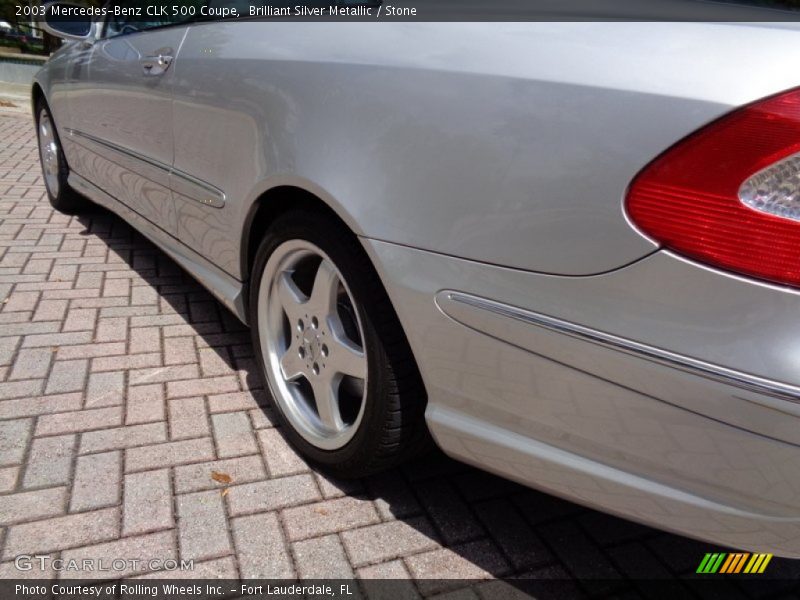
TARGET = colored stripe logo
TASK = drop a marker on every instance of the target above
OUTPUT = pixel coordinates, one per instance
(735, 562)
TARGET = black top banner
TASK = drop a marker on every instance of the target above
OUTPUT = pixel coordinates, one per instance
(180, 11)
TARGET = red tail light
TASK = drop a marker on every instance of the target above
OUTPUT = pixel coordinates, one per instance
(729, 195)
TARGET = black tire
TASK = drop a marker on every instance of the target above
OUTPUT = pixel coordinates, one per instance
(62, 197)
(393, 428)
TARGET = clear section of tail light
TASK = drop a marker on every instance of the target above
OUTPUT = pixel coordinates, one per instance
(775, 190)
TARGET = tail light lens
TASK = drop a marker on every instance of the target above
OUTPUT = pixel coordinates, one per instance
(729, 194)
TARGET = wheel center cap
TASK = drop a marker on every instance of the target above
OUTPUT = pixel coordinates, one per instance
(311, 345)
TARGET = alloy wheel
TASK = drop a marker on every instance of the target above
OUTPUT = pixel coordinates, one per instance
(49, 153)
(312, 341)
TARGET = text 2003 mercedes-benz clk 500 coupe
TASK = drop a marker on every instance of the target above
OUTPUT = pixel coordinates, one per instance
(569, 251)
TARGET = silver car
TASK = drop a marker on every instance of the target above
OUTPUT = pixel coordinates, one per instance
(569, 253)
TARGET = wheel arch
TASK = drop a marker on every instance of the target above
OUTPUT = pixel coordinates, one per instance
(274, 202)
(37, 95)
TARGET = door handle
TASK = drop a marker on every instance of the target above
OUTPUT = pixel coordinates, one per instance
(156, 65)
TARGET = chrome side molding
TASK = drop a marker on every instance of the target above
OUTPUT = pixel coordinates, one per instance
(451, 303)
(181, 183)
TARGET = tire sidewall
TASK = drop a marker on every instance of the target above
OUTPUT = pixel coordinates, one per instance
(315, 229)
(63, 170)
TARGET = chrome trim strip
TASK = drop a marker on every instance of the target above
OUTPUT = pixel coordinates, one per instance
(181, 183)
(127, 159)
(195, 189)
(688, 364)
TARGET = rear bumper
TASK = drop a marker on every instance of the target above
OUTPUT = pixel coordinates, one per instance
(620, 398)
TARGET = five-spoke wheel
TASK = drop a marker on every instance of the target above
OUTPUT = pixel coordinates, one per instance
(54, 166)
(314, 343)
(335, 360)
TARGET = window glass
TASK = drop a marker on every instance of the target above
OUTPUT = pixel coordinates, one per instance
(131, 16)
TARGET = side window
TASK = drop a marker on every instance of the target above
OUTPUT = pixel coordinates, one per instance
(131, 16)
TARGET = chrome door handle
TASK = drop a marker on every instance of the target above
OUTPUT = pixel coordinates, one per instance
(156, 65)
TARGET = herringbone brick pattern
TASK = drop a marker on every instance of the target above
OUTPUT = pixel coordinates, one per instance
(125, 390)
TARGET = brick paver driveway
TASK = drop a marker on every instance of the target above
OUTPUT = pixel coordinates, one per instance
(124, 389)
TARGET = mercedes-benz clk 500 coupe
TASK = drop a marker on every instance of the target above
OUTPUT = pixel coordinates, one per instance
(568, 253)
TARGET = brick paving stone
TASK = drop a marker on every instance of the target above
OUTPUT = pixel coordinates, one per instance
(79, 420)
(8, 347)
(112, 329)
(151, 375)
(202, 526)
(128, 361)
(197, 387)
(20, 301)
(105, 389)
(321, 558)
(80, 319)
(107, 349)
(97, 482)
(262, 418)
(187, 418)
(17, 389)
(233, 434)
(60, 533)
(393, 496)
(50, 461)
(54, 340)
(145, 339)
(475, 560)
(449, 513)
(147, 504)
(123, 437)
(514, 536)
(32, 363)
(314, 520)
(27, 506)
(142, 548)
(236, 401)
(281, 458)
(145, 404)
(164, 455)
(67, 376)
(50, 310)
(379, 543)
(14, 436)
(394, 569)
(198, 477)
(271, 494)
(41, 405)
(214, 361)
(179, 350)
(8, 479)
(336, 488)
(261, 548)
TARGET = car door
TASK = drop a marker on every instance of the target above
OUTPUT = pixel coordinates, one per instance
(122, 120)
